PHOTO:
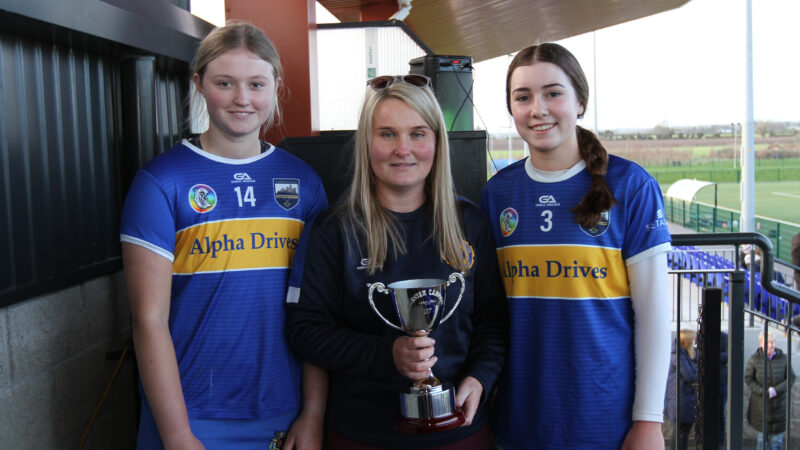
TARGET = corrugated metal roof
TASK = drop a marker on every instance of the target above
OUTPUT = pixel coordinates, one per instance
(485, 29)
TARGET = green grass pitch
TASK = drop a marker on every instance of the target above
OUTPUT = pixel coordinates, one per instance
(775, 200)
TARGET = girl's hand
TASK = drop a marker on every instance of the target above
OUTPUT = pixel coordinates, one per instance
(413, 356)
(468, 398)
(644, 436)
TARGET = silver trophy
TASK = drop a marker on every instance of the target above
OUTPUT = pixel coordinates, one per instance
(429, 404)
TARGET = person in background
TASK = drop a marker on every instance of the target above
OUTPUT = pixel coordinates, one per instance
(751, 256)
(400, 220)
(684, 378)
(208, 231)
(774, 382)
(582, 241)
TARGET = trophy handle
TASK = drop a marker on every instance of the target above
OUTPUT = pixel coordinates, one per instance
(380, 287)
(453, 277)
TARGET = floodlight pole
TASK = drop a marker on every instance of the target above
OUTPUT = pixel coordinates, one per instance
(748, 182)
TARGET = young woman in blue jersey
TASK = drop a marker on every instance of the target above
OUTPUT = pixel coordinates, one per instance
(400, 220)
(208, 232)
(581, 240)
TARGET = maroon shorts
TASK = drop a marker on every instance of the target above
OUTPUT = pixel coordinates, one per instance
(479, 440)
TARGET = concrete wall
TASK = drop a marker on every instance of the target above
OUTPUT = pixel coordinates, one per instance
(57, 354)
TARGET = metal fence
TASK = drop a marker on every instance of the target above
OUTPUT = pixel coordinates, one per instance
(705, 218)
(714, 290)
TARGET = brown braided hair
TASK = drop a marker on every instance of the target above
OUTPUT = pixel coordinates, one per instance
(599, 197)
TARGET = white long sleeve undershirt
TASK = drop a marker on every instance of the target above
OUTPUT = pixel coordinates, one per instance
(649, 285)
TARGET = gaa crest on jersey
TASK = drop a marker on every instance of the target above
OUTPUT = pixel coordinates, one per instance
(547, 201)
(601, 226)
(286, 192)
(508, 221)
(467, 254)
(202, 198)
(242, 177)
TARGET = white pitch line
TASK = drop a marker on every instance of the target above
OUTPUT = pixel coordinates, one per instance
(785, 194)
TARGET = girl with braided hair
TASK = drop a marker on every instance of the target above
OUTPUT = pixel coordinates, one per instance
(581, 241)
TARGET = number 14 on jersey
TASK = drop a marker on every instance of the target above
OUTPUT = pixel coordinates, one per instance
(249, 196)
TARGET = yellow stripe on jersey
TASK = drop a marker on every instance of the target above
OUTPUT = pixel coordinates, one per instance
(236, 245)
(563, 271)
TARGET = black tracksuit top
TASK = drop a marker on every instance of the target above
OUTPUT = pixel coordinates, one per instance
(333, 326)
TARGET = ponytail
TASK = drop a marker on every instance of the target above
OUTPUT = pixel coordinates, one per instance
(599, 197)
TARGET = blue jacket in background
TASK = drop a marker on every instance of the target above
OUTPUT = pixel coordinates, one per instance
(686, 380)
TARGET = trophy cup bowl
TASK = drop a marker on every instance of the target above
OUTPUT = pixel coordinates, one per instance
(429, 404)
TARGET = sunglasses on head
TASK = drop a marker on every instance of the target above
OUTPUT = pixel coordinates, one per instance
(385, 81)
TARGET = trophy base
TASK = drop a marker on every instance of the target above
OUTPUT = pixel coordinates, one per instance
(428, 410)
(428, 425)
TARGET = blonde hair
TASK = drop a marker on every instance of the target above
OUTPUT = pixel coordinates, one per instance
(771, 337)
(241, 35)
(687, 338)
(377, 224)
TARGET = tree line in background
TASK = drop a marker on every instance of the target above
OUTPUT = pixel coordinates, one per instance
(670, 154)
(713, 151)
(763, 129)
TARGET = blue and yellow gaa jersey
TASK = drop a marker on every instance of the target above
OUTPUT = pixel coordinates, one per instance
(230, 228)
(569, 380)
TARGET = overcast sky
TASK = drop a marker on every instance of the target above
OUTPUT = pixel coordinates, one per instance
(681, 67)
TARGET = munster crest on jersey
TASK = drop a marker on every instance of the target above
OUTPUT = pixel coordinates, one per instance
(600, 228)
(286, 192)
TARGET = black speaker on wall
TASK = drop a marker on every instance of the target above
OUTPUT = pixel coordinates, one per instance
(451, 78)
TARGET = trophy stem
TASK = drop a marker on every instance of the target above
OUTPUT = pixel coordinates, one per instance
(427, 382)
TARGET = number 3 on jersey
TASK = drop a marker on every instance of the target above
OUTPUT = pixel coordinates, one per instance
(548, 220)
(249, 196)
